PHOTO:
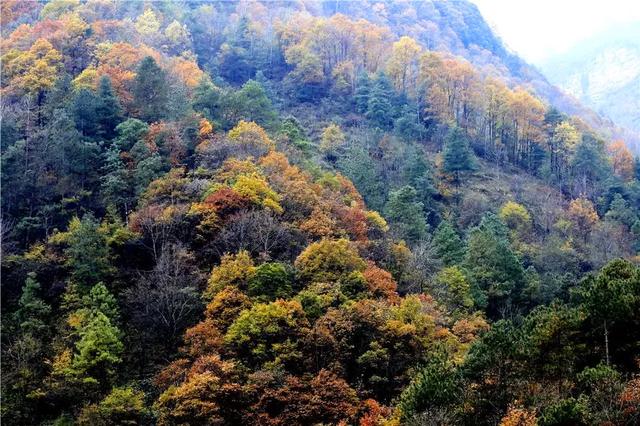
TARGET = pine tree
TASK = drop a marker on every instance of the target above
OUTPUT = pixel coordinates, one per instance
(87, 252)
(418, 173)
(620, 211)
(151, 91)
(405, 214)
(108, 111)
(407, 125)
(256, 104)
(495, 272)
(362, 92)
(589, 165)
(457, 156)
(147, 170)
(100, 299)
(553, 117)
(294, 132)
(436, 385)
(379, 106)
(32, 311)
(206, 99)
(612, 301)
(178, 101)
(356, 164)
(99, 350)
(448, 245)
(130, 132)
(84, 112)
(116, 182)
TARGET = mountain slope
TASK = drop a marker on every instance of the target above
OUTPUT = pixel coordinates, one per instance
(458, 27)
(271, 213)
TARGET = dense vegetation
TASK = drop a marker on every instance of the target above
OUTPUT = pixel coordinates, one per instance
(276, 214)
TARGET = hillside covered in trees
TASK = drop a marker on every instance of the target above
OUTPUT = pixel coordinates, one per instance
(305, 212)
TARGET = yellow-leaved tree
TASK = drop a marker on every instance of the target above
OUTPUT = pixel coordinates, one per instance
(404, 64)
(35, 71)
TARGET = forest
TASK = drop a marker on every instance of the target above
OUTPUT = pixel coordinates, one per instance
(301, 213)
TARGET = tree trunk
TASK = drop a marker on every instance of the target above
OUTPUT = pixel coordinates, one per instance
(606, 341)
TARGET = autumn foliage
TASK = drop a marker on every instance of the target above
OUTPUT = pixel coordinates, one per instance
(302, 213)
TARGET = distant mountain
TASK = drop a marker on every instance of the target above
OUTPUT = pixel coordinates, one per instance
(459, 28)
(603, 72)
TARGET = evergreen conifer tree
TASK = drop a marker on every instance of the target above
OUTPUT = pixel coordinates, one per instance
(108, 110)
(84, 112)
(379, 106)
(151, 91)
(362, 92)
(458, 157)
(496, 274)
(405, 214)
(449, 247)
(32, 311)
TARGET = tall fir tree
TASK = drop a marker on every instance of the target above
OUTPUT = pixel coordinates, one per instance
(406, 215)
(611, 300)
(84, 112)
(33, 312)
(98, 351)
(435, 386)
(458, 157)
(448, 244)
(256, 104)
(418, 173)
(206, 99)
(496, 274)
(621, 212)
(108, 110)
(88, 254)
(116, 183)
(379, 106)
(362, 92)
(151, 91)
(589, 166)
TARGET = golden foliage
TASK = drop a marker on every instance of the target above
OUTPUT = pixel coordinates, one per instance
(256, 189)
(328, 260)
(249, 133)
(515, 216)
(147, 23)
(35, 70)
(403, 65)
(582, 214)
(621, 160)
(319, 224)
(205, 129)
(187, 71)
(517, 416)
(332, 139)
(234, 270)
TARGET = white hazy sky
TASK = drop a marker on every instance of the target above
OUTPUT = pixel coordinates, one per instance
(537, 29)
